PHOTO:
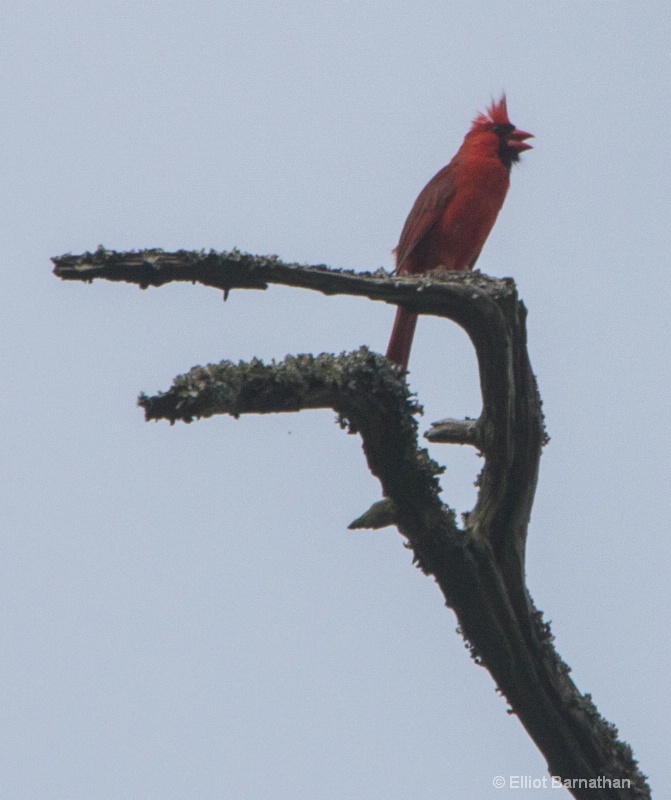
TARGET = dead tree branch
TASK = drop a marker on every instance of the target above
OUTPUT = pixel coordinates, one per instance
(480, 568)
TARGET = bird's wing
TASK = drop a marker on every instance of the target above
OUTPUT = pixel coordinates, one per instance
(429, 205)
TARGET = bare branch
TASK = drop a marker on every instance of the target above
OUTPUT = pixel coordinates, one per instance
(518, 653)
(479, 569)
(236, 270)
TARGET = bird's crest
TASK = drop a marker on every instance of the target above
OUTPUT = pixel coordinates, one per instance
(497, 114)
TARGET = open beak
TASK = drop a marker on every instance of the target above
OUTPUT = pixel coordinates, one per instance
(516, 140)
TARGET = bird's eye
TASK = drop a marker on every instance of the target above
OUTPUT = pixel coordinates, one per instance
(503, 129)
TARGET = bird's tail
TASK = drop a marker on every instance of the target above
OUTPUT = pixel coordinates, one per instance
(401, 337)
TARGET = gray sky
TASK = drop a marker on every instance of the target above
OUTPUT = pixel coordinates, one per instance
(184, 614)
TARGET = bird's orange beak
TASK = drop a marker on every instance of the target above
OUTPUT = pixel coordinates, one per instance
(516, 140)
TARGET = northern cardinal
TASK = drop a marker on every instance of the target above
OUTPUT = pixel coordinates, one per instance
(455, 211)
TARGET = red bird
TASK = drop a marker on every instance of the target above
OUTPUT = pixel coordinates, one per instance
(454, 213)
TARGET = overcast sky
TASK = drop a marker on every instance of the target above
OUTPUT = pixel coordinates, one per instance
(184, 613)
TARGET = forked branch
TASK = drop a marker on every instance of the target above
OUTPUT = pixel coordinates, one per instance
(480, 568)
